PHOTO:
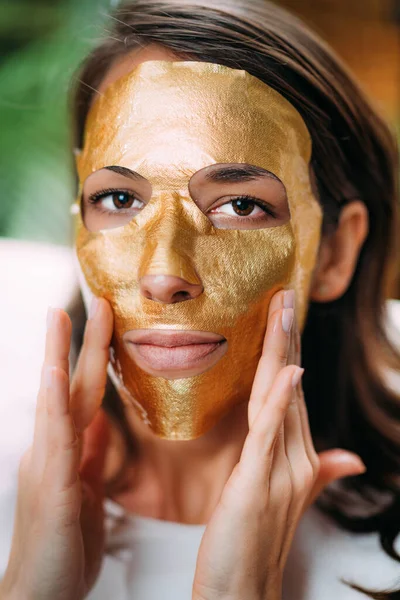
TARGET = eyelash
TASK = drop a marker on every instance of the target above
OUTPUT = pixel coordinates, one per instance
(97, 196)
(260, 203)
(94, 198)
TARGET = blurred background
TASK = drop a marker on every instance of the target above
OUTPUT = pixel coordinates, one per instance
(42, 43)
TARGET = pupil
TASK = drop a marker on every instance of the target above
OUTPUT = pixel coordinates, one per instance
(243, 207)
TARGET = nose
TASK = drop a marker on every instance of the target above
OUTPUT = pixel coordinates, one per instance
(168, 289)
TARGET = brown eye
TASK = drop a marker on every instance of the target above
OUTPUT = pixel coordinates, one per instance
(122, 200)
(114, 201)
(243, 207)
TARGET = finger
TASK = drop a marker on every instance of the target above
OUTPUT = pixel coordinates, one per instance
(276, 303)
(88, 385)
(62, 461)
(292, 481)
(280, 484)
(297, 341)
(58, 340)
(335, 464)
(301, 468)
(274, 353)
(305, 425)
(96, 438)
(294, 352)
(257, 451)
(295, 357)
(294, 435)
(291, 354)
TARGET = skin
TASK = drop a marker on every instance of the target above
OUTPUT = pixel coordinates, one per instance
(213, 198)
(222, 202)
(250, 478)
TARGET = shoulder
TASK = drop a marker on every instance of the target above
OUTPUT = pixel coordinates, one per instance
(323, 555)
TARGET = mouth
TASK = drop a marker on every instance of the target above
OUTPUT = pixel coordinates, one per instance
(174, 354)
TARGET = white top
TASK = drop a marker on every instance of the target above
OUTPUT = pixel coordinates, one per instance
(156, 560)
(149, 559)
(152, 560)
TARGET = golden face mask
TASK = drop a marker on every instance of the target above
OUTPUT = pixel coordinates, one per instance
(166, 121)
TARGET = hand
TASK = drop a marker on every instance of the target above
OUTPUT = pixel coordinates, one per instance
(57, 543)
(246, 543)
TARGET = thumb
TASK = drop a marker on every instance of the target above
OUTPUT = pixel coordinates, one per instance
(335, 464)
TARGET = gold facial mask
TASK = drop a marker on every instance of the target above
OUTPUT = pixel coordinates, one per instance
(166, 121)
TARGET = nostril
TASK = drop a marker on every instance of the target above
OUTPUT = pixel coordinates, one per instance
(181, 296)
(147, 294)
(168, 289)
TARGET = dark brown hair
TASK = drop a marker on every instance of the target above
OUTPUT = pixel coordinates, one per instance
(346, 352)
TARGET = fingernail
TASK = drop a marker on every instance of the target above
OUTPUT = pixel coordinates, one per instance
(297, 375)
(287, 319)
(288, 299)
(93, 307)
(49, 318)
(48, 377)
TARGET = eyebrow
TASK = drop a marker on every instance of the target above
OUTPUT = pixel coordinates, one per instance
(238, 174)
(229, 174)
(125, 172)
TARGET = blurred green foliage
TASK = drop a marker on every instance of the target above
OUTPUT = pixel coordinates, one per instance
(42, 43)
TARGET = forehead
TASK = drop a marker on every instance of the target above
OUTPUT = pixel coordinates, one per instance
(178, 117)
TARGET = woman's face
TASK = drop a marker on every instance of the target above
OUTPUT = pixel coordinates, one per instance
(196, 207)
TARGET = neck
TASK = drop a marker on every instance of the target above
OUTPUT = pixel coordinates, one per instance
(182, 480)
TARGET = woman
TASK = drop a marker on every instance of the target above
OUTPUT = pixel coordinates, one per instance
(163, 132)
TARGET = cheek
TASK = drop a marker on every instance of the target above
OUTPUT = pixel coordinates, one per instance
(108, 261)
(239, 267)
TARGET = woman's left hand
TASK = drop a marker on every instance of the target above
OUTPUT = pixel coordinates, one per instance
(247, 540)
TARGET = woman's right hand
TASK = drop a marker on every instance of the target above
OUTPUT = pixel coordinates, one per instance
(58, 536)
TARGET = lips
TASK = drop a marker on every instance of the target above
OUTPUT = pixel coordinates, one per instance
(174, 354)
